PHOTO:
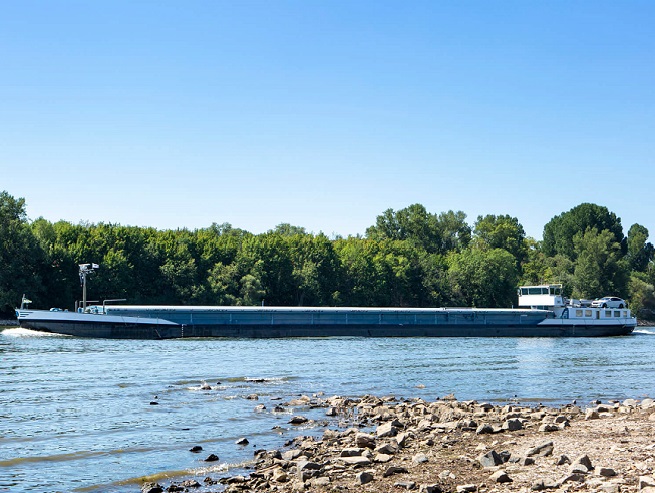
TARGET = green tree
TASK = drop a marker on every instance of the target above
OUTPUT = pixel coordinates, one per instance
(21, 260)
(560, 230)
(599, 269)
(482, 278)
(504, 232)
(640, 251)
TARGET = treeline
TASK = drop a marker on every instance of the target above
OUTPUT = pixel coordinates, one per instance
(409, 257)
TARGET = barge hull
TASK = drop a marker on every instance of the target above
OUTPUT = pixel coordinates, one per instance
(157, 331)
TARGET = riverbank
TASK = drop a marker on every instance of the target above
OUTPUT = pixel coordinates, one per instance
(453, 446)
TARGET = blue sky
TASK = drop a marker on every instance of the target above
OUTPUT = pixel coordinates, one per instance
(323, 114)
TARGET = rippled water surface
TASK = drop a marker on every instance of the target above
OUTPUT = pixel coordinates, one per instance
(77, 414)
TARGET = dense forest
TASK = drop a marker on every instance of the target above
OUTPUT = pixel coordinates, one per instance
(409, 257)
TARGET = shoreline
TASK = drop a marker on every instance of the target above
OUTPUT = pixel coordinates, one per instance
(455, 446)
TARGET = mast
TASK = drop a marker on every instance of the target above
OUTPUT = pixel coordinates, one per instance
(85, 270)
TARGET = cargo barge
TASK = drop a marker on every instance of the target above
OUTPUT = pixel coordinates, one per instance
(543, 312)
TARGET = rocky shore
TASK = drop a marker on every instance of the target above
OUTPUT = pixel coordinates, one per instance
(456, 446)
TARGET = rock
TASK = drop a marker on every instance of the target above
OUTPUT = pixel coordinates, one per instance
(563, 459)
(591, 414)
(467, 488)
(290, 455)
(151, 488)
(190, 483)
(606, 472)
(307, 469)
(513, 425)
(388, 448)
(490, 459)
(242, 441)
(578, 469)
(505, 456)
(646, 482)
(573, 478)
(321, 481)
(526, 461)
(484, 429)
(331, 412)
(391, 470)
(195, 449)
(364, 477)
(252, 397)
(419, 458)
(647, 403)
(211, 458)
(500, 477)
(280, 476)
(540, 485)
(357, 461)
(365, 440)
(407, 485)
(298, 420)
(386, 430)
(542, 450)
(352, 452)
(585, 461)
(547, 428)
(430, 488)
(630, 403)
(401, 439)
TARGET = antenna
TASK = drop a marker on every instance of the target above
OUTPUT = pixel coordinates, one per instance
(86, 270)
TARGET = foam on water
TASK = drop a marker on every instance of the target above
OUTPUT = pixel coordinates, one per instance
(21, 332)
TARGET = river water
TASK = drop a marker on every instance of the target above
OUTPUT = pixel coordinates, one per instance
(78, 415)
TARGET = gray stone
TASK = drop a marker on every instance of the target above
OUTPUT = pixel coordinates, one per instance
(242, 441)
(430, 488)
(391, 470)
(151, 488)
(606, 472)
(563, 459)
(585, 461)
(542, 450)
(500, 477)
(291, 454)
(513, 425)
(364, 477)
(382, 458)
(646, 482)
(573, 478)
(490, 459)
(387, 448)
(386, 430)
(365, 440)
(352, 452)
(467, 488)
(407, 485)
(540, 485)
(647, 403)
(211, 458)
(357, 461)
(321, 481)
(298, 420)
(578, 469)
(484, 429)
(547, 428)
(419, 458)
(401, 440)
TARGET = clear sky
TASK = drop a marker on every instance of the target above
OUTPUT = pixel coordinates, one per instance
(323, 114)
